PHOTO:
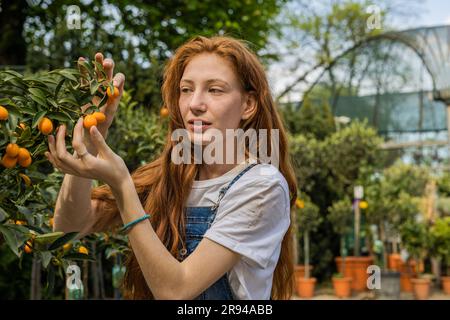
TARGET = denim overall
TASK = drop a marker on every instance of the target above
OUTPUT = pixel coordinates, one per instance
(198, 221)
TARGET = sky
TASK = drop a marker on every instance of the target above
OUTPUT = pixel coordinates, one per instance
(436, 12)
(418, 13)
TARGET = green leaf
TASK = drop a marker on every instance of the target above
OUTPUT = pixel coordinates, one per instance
(6, 101)
(68, 75)
(48, 237)
(13, 73)
(94, 86)
(90, 109)
(37, 92)
(78, 256)
(68, 100)
(24, 210)
(37, 118)
(58, 87)
(103, 101)
(63, 240)
(46, 258)
(13, 238)
(86, 66)
(3, 214)
(38, 100)
(61, 116)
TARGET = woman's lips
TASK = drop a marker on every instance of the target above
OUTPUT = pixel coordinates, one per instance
(198, 127)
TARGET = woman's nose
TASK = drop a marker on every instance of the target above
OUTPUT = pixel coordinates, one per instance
(197, 102)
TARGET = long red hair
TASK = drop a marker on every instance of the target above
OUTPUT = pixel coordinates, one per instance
(163, 186)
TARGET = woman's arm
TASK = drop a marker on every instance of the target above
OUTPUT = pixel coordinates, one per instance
(73, 210)
(166, 277)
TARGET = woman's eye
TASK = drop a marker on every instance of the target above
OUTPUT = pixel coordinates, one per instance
(215, 90)
(185, 90)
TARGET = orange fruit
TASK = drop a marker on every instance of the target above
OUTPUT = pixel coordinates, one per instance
(25, 163)
(89, 121)
(299, 203)
(22, 125)
(51, 221)
(9, 162)
(28, 247)
(164, 112)
(3, 113)
(114, 94)
(67, 246)
(12, 150)
(100, 116)
(21, 222)
(45, 126)
(83, 250)
(24, 154)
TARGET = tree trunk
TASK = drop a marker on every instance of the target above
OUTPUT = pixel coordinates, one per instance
(94, 272)
(86, 279)
(306, 252)
(343, 254)
(35, 285)
(383, 240)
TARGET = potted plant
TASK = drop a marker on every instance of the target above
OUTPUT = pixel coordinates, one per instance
(308, 219)
(299, 268)
(440, 244)
(416, 238)
(340, 216)
(389, 209)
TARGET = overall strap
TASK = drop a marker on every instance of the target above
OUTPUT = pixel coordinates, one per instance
(225, 189)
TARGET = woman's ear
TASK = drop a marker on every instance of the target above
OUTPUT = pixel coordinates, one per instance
(249, 105)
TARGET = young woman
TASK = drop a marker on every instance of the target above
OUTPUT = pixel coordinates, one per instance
(214, 231)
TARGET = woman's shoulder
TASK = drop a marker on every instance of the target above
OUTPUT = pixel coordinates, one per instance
(264, 176)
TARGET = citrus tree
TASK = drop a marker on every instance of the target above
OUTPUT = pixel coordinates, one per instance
(31, 108)
(308, 219)
(341, 217)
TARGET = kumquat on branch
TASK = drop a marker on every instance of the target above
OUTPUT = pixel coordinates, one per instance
(31, 108)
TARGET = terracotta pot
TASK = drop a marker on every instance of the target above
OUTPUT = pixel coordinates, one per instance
(446, 284)
(299, 271)
(305, 287)
(421, 288)
(405, 282)
(342, 287)
(348, 266)
(356, 268)
(394, 262)
(412, 267)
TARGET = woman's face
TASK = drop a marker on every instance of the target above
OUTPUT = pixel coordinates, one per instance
(211, 93)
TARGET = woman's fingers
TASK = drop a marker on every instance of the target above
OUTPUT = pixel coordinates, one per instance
(108, 65)
(100, 142)
(77, 139)
(59, 167)
(99, 60)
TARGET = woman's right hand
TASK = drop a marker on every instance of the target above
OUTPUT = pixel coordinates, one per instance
(110, 107)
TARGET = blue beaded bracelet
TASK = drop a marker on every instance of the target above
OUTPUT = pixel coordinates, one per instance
(126, 227)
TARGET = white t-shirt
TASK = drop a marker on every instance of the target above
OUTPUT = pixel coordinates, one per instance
(251, 220)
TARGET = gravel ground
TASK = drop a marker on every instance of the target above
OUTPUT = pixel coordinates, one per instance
(327, 294)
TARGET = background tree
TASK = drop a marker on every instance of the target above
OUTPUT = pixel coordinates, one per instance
(139, 35)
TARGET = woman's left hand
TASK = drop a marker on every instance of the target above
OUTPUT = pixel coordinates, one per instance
(106, 166)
